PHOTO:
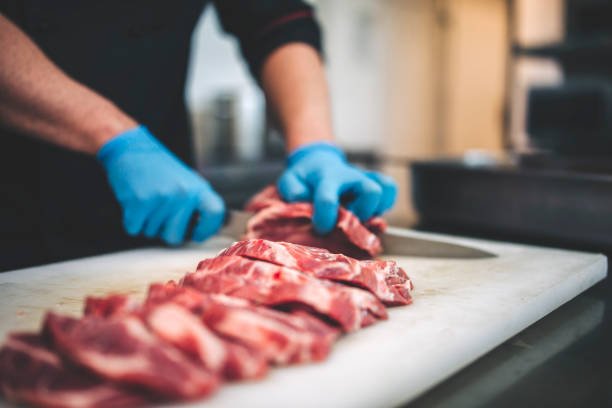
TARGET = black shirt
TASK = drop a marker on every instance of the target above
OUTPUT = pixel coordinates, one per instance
(56, 204)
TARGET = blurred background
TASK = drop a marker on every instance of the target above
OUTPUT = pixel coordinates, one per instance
(473, 83)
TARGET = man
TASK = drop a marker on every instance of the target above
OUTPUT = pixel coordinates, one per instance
(80, 80)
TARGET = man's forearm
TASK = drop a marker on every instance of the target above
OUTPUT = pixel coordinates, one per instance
(37, 98)
(294, 81)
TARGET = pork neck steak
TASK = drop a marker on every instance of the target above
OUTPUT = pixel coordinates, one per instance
(276, 220)
(385, 279)
(274, 285)
(32, 372)
(120, 348)
(176, 324)
(282, 338)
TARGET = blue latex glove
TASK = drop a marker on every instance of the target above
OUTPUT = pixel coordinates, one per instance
(319, 172)
(158, 193)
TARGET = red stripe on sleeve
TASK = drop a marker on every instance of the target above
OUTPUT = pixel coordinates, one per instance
(286, 19)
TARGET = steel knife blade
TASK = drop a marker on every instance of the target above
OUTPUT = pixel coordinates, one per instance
(235, 224)
(398, 244)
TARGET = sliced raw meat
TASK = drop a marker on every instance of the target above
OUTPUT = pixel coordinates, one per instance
(315, 325)
(273, 285)
(110, 305)
(265, 198)
(282, 338)
(33, 373)
(244, 363)
(385, 279)
(120, 348)
(190, 334)
(176, 324)
(277, 220)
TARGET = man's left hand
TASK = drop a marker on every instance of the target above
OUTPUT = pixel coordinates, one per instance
(319, 172)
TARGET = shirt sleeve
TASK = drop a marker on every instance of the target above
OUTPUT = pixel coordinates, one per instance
(261, 26)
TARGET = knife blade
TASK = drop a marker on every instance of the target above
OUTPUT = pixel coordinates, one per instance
(397, 244)
(235, 224)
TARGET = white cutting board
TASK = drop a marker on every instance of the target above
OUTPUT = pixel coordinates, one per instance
(461, 310)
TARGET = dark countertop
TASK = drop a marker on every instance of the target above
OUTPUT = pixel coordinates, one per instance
(563, 360)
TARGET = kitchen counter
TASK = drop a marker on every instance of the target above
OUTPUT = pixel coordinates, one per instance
(565, 359)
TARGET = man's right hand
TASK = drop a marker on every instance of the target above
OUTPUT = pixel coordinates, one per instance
(158, 193)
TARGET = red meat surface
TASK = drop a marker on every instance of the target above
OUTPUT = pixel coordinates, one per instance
(385, 279)
(273, 285)
(32, 372)
(276, 220)
(282, 338)
(177, 325)
(120, 348)
(110, 305)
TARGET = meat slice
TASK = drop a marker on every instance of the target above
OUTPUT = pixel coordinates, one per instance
(385, 279)
(282, 338)
(277, 220)
(273, 285)
(188, 332)
(110, 305)
(120, 348)
(177, 325)
(244, 363)
(315, 325)
(265, 198)
(31, 372)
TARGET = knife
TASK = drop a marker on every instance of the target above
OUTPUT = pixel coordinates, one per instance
(394, 243)
(235, 224)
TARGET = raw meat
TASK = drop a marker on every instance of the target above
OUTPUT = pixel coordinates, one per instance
(234, 360)
(244, 363)
(277, 220)
(177, 325)
(274, 285)
(265, 198)
(181, 328)
(198, 302)
(282, 338)
(32, 372)
(110, 305)
(385, 279)
(120, 348)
